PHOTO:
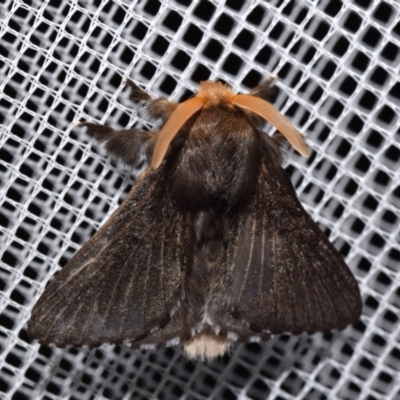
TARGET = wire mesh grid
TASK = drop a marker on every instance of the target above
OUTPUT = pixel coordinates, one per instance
(338, 73)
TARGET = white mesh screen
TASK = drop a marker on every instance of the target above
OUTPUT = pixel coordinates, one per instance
(338, 73)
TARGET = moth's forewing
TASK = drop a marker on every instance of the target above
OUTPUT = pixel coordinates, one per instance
(287, 277)
(125, 281)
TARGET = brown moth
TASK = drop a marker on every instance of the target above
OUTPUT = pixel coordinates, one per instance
(211, 246)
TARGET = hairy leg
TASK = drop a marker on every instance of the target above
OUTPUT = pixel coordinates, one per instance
(156, 108)
(266, 89)
(127, 145)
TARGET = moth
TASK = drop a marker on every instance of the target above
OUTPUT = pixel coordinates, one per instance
(211, 246)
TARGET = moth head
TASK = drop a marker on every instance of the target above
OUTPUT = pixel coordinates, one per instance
(213, 93)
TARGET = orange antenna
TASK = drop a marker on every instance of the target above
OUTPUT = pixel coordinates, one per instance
(175, 122)
(272, 115)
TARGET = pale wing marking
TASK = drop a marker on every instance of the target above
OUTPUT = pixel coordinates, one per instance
(253, 233)
(262, 266)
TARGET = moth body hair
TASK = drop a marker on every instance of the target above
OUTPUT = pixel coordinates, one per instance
(206, 347)
(155, 329)
(173, 342)
(147, 347)
(198, 329)
(175, 308)
(232, 336)
(206, 319)
(216, 329)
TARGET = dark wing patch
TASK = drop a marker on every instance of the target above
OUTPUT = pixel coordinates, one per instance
(284, 274)
(126, 281)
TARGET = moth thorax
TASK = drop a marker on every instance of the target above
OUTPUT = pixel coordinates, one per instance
(206, 346)
(213, 93)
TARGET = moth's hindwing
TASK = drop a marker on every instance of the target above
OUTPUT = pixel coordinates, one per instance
(126, 281)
